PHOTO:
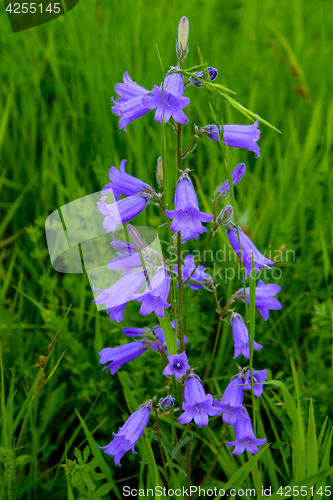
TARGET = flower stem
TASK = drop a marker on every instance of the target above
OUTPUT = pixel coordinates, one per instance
(191, 144)
(214, 350)
(202, 256)
(179, 252)
(188, 458)
(210, 470)
(161, 449)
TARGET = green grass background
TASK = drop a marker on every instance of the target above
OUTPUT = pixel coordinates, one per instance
(58, 138)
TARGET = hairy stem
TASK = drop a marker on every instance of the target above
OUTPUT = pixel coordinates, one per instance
(191, 144)
(179, 252)
(161, 449)
(214, 351)
(210, 470)
(202, 256)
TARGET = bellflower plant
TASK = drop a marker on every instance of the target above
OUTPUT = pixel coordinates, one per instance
(177, 366)
(248, 249)
(174, 100)
(231, 403)
(128, 435)
(195, 273)
(155, 298)
(160, 283)
(129, 106)
(259, 377)
(122, 354)
(236, 136)
(245, 438)
(138, 195)
(224, 190)
(202, 75)
(241, 336)
(264, 298)
(198, 405)
(187, 214)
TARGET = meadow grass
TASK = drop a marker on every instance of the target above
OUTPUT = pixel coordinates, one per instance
(58, 138)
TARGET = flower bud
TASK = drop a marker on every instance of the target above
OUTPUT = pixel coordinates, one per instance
(224, 215)
(166, 402)
(139, 243)
(159, 171)
(182, 42)
(203, 76)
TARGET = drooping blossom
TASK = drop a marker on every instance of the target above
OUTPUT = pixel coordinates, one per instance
(197, 405)
(245, 438)
(121, 293)
(264, 298)
(202, 75)
(127, 259)
(248, 249)
(174, 100)
(259, 377)
(129, 106)
(161, 339)
(122, 354)
(122, 211)
(177, 366)
(157, 331)
(124, 183)
(187, 270)
(237, 136)
(127, 436)
(241, 336)
(231, 403)
(155, 297)
(236, 174)
(187, 214)
(138, 196)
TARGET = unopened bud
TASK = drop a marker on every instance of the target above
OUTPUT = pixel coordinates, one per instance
(136, 238)
(159, 171)
(203, 75)
(182, 42)
(166, 402)
(224, 215)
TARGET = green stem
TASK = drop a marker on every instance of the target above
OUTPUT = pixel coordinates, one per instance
(3, 396)
(210, 470)
(202, 256)
(161, 449)
(191, 144)
(214, 351)
(188, 458)
(179, 251)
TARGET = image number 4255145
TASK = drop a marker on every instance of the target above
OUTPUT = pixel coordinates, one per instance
(24, 15)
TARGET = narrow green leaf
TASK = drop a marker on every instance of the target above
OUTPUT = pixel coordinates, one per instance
(129, 396)
(186, 436)
(310, 481)
(321, 434)
(78, 455)
(300, 451)
(98, 455)
(103, 490)
(324, 465)
(86, 453)
(290, 405)
(311, 445)
(156, 481)
(169, 333)
(242, 473)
